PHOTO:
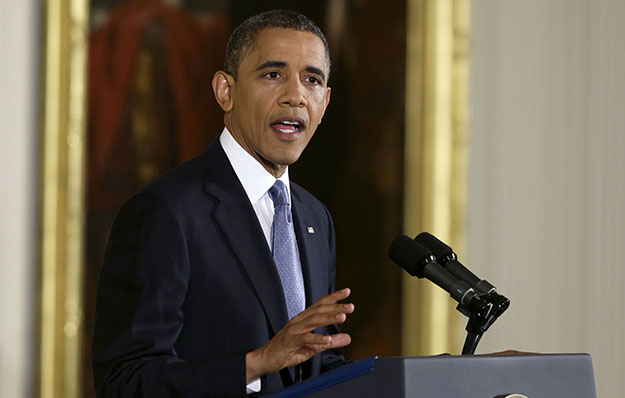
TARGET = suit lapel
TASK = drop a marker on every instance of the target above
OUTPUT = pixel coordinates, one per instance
(236, 218)
(310, 247)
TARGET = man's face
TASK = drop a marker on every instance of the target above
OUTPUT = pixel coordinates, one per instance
(279, 96)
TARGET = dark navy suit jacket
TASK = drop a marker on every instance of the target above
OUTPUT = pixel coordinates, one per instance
(188, 286)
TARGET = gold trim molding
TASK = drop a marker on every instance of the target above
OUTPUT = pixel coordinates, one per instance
(435, 161)
(65, 40)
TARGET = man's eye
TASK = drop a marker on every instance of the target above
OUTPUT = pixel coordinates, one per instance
(313, 80)
(273, 75)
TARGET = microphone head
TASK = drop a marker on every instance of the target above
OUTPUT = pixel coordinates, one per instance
(439, 249)
(410, 255)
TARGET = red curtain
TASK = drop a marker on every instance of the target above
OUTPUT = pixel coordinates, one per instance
(194, 51)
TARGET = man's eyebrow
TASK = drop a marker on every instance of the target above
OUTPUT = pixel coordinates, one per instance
(272, 64)
(282, 64)
(316, 71)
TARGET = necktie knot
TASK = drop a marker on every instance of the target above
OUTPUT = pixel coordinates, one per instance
(278, 194)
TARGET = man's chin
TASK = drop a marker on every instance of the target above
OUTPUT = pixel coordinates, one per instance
(284, 161)
(276, 165)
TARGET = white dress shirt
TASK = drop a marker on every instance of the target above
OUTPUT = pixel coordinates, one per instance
(256, 182)
(255, 179)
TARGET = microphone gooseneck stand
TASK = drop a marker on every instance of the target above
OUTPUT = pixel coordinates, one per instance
(479, 300)
(482, 312)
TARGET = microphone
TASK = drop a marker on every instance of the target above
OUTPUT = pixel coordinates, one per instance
(418, 261)
(419, 258)
(448, 259)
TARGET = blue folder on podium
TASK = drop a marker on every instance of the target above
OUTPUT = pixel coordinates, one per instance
(480, 376)
(327, 379)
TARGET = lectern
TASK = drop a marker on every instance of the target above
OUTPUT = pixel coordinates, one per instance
(481, 376)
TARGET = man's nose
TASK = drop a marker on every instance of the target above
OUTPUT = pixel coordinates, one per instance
(294, 93)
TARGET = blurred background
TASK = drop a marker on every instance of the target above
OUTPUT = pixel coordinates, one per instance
(98, 97)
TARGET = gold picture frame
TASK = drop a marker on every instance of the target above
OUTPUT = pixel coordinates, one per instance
(435, 160)
(63, 128)
(435, 176)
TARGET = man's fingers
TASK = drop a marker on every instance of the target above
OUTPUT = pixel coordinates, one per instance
(307, 351)
(313, 320)
(329, 309)
(325, 309)
(319, 342)
(340, 340)
(334, 297)
(296, 343)
(314, 339)
(333, 341)
(326, 305)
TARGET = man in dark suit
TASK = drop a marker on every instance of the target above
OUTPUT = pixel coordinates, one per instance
(218, 278)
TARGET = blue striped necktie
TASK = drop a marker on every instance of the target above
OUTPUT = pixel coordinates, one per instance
(284, 250)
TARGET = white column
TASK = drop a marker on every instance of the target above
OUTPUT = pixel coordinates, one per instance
(19, 48)
(546, 211)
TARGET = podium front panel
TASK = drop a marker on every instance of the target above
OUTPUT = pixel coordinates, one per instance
(482, 376)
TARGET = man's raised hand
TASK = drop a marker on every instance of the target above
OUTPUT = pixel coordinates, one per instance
(296, 343)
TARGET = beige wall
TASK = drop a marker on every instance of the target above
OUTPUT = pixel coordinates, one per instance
(18, 154)
(546, 179)
(546, 217)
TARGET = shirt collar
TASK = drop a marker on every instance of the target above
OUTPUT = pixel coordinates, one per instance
(255, 179)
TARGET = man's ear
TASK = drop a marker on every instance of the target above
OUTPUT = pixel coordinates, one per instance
(327, 101)
(222, 88)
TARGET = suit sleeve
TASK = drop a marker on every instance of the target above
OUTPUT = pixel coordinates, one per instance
(139, 313)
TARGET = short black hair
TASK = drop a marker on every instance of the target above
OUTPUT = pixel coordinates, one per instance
(244, 35)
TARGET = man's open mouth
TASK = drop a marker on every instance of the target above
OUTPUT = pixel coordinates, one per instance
(288, 125)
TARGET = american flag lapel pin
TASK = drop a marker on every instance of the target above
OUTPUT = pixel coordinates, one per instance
(311, 230)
